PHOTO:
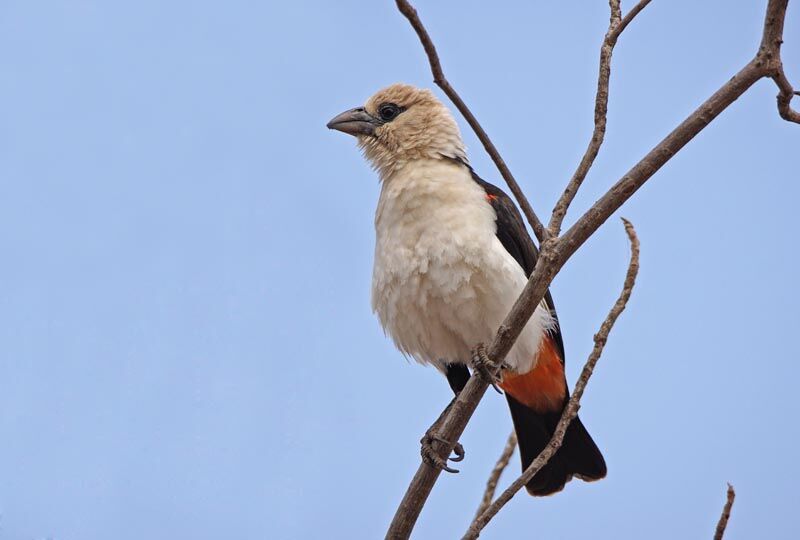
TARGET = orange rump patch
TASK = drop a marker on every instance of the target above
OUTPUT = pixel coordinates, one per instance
(543, 388)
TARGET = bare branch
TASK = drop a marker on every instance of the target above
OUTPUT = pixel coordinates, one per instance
(616, 13)
(494, 476)
(438, 77)
(785, 97)
(616, 26)
(571, 410)
(556, 252)
(771, 42)
(726, 514)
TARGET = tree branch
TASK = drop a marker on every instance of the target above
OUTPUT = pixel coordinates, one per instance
(494, 476)
(771, 43)
(785, 97)
(616, 26)
(571, 410)
(726, 514)
(438, 77)
(555, 252)
(616, 13)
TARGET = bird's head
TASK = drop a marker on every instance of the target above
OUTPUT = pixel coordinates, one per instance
(399, 124)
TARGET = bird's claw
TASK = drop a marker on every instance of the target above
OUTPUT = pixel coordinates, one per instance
(432, 457)
(486, 367)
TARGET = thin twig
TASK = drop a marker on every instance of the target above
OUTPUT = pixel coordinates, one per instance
(438, 77)
(571, 410)
(726, 514)
(494, 476)
(616, 26)
(556, 252)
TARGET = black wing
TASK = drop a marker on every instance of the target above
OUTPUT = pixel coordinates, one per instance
(514, 236)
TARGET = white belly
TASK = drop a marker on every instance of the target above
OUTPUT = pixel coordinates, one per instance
(442, 281)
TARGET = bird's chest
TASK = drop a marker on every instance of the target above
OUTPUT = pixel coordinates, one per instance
(434, 255)
(420, 262)
(433, 232)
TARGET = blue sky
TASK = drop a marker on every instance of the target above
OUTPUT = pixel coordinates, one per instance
(186, 344)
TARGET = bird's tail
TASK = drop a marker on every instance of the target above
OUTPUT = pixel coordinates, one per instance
(578, 455)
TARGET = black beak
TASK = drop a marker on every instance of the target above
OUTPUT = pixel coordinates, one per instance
(355, 122)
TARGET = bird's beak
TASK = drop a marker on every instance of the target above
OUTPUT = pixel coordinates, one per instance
(355, 122)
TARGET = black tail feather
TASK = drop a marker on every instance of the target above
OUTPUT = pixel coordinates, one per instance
(578, 455)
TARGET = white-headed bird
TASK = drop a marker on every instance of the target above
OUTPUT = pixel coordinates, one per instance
(452, 254)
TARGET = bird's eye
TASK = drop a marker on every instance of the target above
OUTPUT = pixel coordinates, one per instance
(389, 111)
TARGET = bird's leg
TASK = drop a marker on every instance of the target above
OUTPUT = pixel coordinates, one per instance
(486, 367)
(429, 453)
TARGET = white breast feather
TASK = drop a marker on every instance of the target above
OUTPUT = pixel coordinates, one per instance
(442, 281)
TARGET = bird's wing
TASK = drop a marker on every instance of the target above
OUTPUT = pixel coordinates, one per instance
(514, 236)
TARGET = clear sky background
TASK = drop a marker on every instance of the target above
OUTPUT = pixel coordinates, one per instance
(186, 344)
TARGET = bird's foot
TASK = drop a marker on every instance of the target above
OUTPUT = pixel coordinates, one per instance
(486, 367)
(432, 457)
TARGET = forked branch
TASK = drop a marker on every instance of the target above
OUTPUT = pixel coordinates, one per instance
(571, 410)
(616, 26)
(555, 252)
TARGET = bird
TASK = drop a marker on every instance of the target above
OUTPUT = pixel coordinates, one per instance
(452, 255)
